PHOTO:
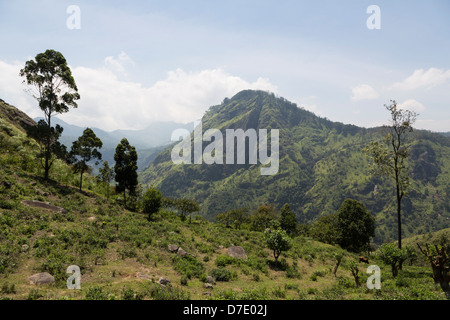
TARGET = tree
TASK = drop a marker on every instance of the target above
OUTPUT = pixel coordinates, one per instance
(263, 217)
(42, 133)
(234, 216)
(85, 149)
(354, 269)
(355, 225)
(325, 230)
(390, 156)
(106, 174)
(151, 201)
(55, 91)
(338, 256)
(393, 256)
(125, 168)
(288, 220)
(186, 206)
(278, 241)
(439, 261)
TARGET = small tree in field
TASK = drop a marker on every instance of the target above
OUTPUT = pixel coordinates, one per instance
(392, 256)
(277, 241)
(186, 206)
(151, 201)
(84, 150)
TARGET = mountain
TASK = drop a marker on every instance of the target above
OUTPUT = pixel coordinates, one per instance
(321, 163)
(148, 141)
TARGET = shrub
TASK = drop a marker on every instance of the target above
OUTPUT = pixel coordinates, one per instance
(188, 266)
(130, 294)
(223, 260)
(223, 274)
(97, 293)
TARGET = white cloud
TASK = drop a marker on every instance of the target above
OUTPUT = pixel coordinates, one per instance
(119, 64)
(110, 103)
(12, 90)
(423, 79)
(411, 105)
(363, 92)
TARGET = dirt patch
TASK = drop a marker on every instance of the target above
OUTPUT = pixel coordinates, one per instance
(44, 205)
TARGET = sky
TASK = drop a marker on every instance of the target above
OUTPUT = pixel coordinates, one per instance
(137, 62)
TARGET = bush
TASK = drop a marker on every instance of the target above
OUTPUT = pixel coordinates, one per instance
(130, 294)
(223, 261)
(223, 274)
(97, 293)
(188, 266)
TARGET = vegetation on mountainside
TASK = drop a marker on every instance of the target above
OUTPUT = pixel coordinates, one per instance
(322, 163)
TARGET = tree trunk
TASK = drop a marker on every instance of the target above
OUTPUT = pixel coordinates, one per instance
(81, 180)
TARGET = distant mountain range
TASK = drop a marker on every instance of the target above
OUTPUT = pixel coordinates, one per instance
(321, 163)
(148, 142)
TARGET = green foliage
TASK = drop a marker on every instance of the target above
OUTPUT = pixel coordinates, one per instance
(390, 254)
(188, 266)
(151, 201)
(223, 274)
(288, 220)
(106, 174)
(125, 168)
(356, 226)
(55, 91)
(277, 241)
(85, 149)
(263, 217)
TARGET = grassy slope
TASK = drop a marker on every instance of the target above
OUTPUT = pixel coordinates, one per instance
(112, 246)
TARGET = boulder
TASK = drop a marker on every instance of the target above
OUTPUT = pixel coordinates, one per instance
(208, 286)
(42, 278)
(44, 205)
(182, 252)
(210, 279)
(173, 248)
(237, 252)
(164, 281)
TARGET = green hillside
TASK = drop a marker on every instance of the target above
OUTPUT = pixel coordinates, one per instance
(122, 255)
(321, 164)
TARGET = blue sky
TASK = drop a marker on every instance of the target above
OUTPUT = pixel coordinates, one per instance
(141, 61)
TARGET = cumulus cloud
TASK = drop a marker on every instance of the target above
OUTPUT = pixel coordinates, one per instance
(411, 105)
(363, 92)
(423, 79)
(13, 91)
(120, 63)
(109, 102)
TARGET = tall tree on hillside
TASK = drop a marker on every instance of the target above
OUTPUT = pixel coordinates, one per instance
(55, 91)
(84, 150)
(390, 155)
(125, 168)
